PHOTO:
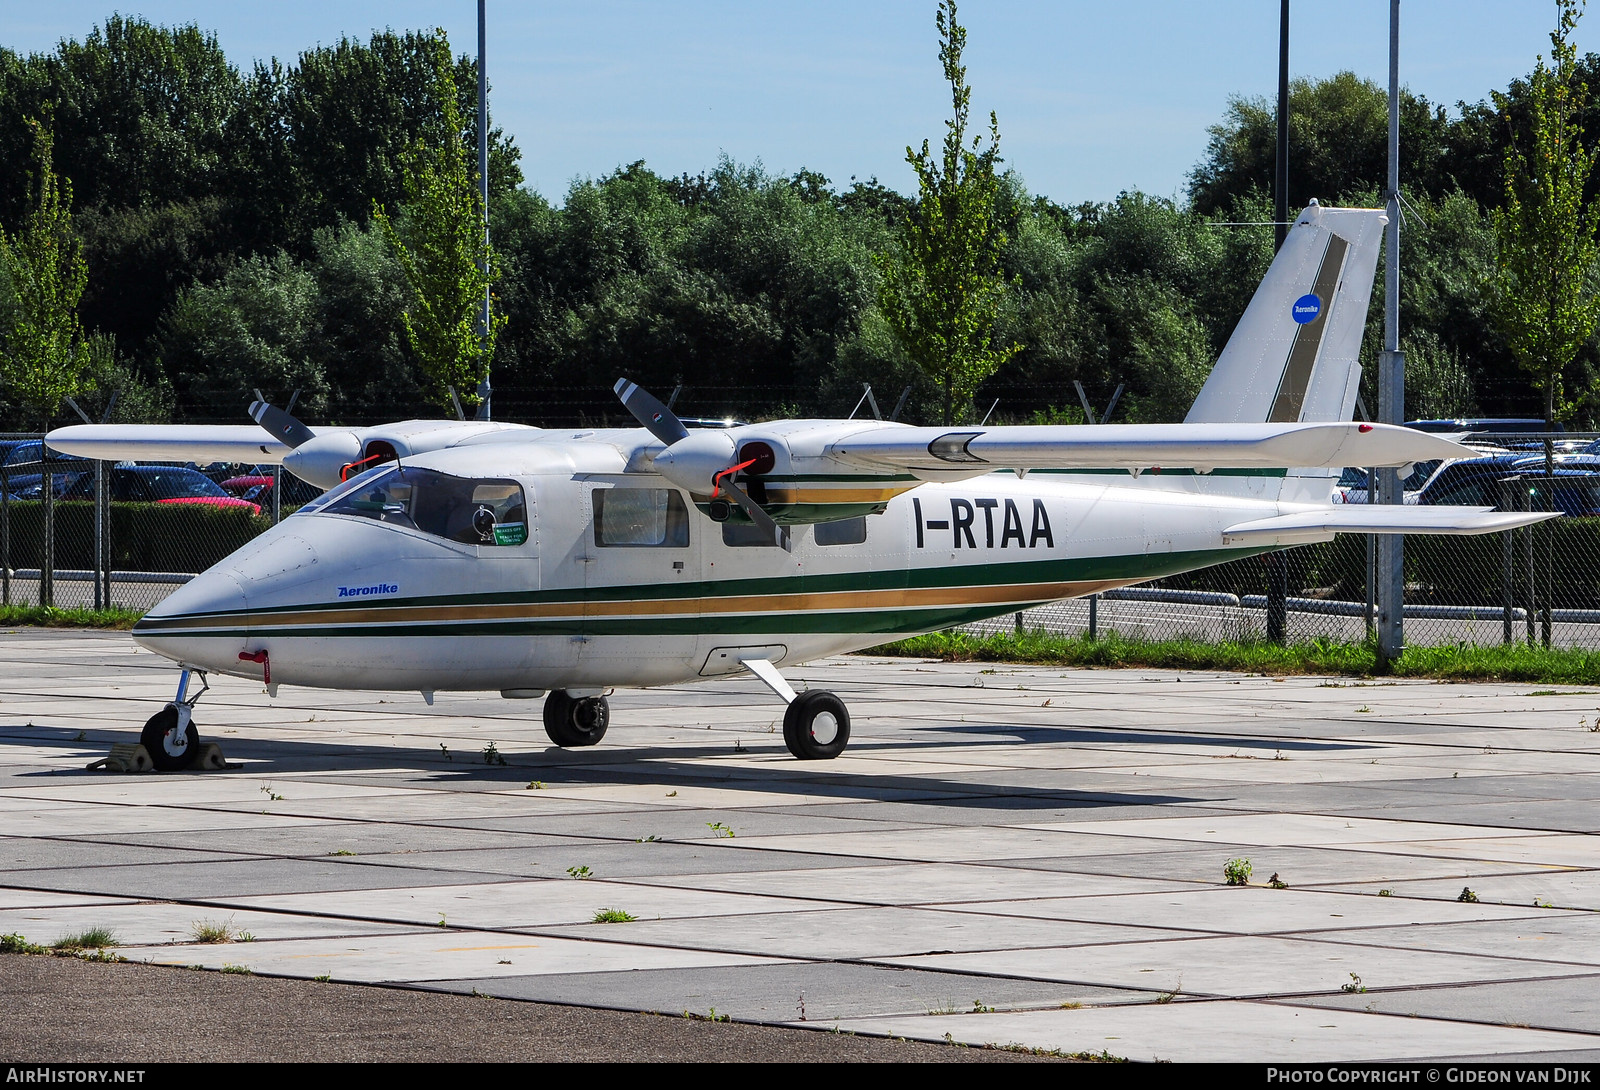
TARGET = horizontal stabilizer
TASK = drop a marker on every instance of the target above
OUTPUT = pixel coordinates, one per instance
(1144, 446)
(198, 443)
(1322, 523)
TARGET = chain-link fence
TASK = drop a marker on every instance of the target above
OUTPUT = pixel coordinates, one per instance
(77, 533)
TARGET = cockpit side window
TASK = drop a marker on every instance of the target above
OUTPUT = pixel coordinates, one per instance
(473, 512)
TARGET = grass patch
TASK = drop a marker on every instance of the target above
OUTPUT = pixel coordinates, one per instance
(212, 931)
(50, 617)
(1457, 662)
(94, 938)
(613, 915)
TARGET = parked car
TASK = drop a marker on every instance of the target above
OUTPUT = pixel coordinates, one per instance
(1517, 480)
(1507, 424)
(256, 485)
(159, 484)
(22, 470)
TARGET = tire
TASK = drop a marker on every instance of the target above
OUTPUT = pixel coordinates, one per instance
(817, 726)
(154, 736)
(575, 722)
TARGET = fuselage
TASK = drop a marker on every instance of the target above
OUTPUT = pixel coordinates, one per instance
(548, 564)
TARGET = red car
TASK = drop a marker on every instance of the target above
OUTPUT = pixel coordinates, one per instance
(159, 484)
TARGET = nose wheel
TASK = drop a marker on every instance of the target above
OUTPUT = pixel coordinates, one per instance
(169, 736)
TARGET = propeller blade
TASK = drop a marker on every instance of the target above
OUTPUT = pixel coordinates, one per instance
(656, 417)
(279, 424)
(780, 534)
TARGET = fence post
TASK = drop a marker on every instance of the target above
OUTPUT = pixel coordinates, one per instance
(1372, 579)
(103, 504)
(1094, 616)
(1277, 595)
(1507, 584)
(47, 565)
(277, 502)
(99, 534)
(5, 538)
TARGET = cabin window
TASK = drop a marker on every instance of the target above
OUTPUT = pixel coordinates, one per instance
(473, 512)
(640, 518)
(746, 535)
(844, 532)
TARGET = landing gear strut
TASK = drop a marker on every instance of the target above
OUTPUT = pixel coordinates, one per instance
(816, 725)
(575, 721)
(170, 736)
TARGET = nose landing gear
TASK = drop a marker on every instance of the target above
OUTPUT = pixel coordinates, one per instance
(170, 736)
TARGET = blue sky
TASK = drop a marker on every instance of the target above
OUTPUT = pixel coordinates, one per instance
(1093, 98)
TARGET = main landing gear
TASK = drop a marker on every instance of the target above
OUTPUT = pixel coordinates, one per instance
(575, 720)
(170, 736)
(816, 725)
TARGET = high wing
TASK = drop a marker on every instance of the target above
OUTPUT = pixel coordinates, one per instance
(1142, 446)
(198, 443)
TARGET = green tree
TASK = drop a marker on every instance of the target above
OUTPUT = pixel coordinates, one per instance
(1542, 300)
(942, 293)
(444, 250)
(42, 352)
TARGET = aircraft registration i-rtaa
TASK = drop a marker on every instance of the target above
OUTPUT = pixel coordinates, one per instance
(484, 556)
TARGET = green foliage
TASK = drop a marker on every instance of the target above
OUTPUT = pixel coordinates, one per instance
(1338, 144)
(1236, 872)
(445, 254)
(159, 537)
(942, 292)
(212, 931)
(14, 943)
(1467, 896)
(50, 617)
(1462, 662)
(613, 915)
(1543, 298)
(93, 938)
(42, 352)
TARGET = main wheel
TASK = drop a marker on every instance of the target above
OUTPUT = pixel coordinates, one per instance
(816, 727)
(575, 721)
(170, 749)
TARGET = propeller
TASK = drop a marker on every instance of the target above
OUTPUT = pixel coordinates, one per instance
(656, 417)
(278, 423)
(665, 426)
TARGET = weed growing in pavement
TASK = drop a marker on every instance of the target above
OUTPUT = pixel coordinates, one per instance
(241, 970)
(1386, 893)
(444, 750)
(613, 915)
(441, 922)
(720, 829)
(491, 754)
(534, 785)
(1353, 985)
(1277, 883)
(978, 1007)
(14, 943)
(324, 978)
(579, 872)
(652, 839)
(342, 851)
(212, 931)
(1540, 902)
(1467, 896)
(1236, 872)
(266, 789)
(95, 938)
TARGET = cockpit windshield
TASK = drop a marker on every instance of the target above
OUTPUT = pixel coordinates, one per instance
(474, 512)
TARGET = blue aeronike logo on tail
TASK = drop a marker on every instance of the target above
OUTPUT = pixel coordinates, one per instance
(1306, 308)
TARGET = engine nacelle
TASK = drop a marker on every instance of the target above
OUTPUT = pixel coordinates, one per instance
(320, 461)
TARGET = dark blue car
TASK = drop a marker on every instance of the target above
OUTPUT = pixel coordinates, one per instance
(1518, 481)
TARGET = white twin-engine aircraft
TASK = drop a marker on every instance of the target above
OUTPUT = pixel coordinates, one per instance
(480, 556)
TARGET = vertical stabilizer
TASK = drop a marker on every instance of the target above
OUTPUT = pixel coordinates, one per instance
(1294, 354)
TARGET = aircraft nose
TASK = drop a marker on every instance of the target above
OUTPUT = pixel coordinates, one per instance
(203, 623)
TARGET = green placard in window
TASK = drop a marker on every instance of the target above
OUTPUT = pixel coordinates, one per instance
(511, 533)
